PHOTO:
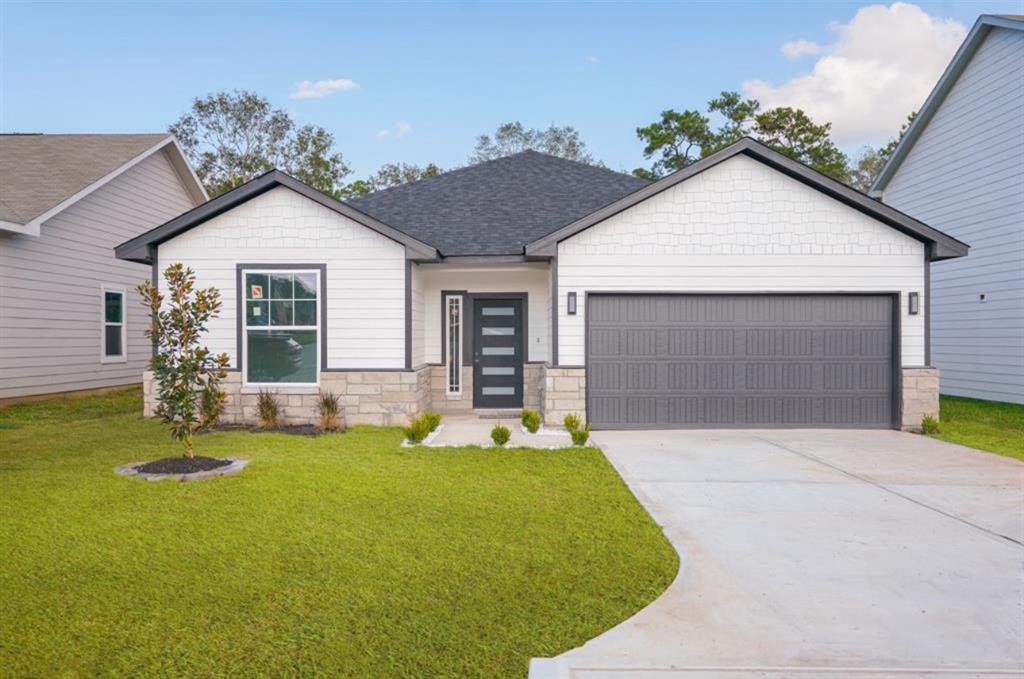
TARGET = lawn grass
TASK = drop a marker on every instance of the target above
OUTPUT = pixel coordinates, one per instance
(343, 555)
(985, 425)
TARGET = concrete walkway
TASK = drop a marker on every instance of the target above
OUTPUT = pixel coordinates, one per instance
(472, 430)
(820, 554)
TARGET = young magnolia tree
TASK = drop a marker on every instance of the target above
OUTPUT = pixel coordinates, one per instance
(187, 375)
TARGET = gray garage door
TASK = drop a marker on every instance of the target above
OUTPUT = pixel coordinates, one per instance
(668, 361)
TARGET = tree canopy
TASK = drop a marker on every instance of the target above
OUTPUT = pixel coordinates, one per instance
(871, 161)
(391, 175)
(512, 137)
(232, 137)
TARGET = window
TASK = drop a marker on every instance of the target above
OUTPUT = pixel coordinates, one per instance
(282, 327)
(113, 341)
(453, 334)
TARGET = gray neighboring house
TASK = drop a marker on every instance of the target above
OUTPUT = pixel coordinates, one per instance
(70, 319)
(960, 168)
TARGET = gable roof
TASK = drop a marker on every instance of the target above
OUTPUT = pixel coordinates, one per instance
(942, 246)
(982, 27)
(42, 174)
(497, 207)
(138, 249)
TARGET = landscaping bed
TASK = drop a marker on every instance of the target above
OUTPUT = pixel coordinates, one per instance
(335, 556)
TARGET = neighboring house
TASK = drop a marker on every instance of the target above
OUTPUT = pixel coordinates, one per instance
(746, 290)
(960, 168)
(69, 317)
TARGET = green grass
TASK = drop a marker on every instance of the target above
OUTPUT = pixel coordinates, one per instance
(342, 555)
(985, 425)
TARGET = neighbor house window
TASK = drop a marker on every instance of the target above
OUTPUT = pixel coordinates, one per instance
(282, 327)
(453, 336)
(114, 338)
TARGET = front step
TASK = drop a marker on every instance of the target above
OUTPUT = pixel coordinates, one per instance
(490, 414)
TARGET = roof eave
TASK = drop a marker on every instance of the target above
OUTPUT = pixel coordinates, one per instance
(984, 24)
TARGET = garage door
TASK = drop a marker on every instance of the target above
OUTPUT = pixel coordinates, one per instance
(667, 361)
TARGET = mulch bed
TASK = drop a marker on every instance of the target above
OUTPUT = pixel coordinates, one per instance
(181, 465)
(293, 429)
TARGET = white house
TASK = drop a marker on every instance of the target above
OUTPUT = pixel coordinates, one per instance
(960, 168)
(70, 319)
(746, 290)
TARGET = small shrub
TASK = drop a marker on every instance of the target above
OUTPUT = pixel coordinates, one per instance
(268, 410)
(434, 419)
(418, 429)
(530, 420)
(328, 405)
(929, 425)
(500, 434)
(572, 422)
(580, 436)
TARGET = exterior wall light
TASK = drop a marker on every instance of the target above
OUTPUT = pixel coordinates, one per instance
(914, 303)
(571, 303)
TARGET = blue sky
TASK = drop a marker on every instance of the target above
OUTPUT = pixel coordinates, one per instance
(448, 72)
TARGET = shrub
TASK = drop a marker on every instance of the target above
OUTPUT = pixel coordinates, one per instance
(418, 429)
(187, 375)
(580, 436)
(572, 422)
(434, 419)
(268, 410)
(500, 434)
(328, 405)
(530, 420)
(929, 425)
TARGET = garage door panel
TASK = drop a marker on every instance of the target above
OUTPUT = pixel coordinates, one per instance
(740, 360)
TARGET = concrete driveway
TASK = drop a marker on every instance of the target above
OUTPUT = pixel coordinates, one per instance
(820, 554)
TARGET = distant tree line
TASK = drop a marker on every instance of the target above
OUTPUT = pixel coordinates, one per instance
(232, 137)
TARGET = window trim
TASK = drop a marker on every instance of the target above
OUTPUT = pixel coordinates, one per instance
(448, 299)
(123, 356)
(242, 312)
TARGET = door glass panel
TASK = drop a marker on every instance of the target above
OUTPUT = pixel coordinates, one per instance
(497, 311)
(491, 370)
(498, 391)
(498, 331)
(498, 351)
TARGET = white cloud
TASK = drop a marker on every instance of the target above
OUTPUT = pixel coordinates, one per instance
(794, 49)
(880, 67)
(307, 89)
(400, 129)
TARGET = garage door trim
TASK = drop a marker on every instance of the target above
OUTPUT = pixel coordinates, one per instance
(896, 345)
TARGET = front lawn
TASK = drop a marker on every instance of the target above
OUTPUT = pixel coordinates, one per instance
(985, 425)
(338, 555)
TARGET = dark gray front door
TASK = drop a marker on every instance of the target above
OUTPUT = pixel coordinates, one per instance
(682, 361)
(497, 353)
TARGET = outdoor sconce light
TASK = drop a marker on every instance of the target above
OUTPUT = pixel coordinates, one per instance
(914, 303)
(571, 303)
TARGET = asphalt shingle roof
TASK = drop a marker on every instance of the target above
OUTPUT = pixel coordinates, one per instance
(497, 207)
(39, 171)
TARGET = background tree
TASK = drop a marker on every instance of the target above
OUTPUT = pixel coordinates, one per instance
(870, 162)
(512, 137)
(187, 375)
(391, 175)
(232, 137)
(680, 139)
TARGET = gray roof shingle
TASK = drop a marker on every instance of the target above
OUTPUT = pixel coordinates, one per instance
(39, 171)
(497, 207)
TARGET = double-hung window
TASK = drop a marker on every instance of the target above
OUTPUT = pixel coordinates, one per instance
(113, 342)
(282, 327)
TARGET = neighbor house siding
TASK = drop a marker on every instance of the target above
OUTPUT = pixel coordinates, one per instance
(744, 227)
(50, 285)
(365, 273)
(965, 176)
(531, 278)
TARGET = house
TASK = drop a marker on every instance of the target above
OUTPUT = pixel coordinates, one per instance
(70, 320)
(743, 291)
(960, 168)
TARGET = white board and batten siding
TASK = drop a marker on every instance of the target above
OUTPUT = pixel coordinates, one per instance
(965, 176)
(365, 272)
(51, 285)
(740, 226)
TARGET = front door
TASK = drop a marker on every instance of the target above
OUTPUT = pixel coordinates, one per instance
(497, 353)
